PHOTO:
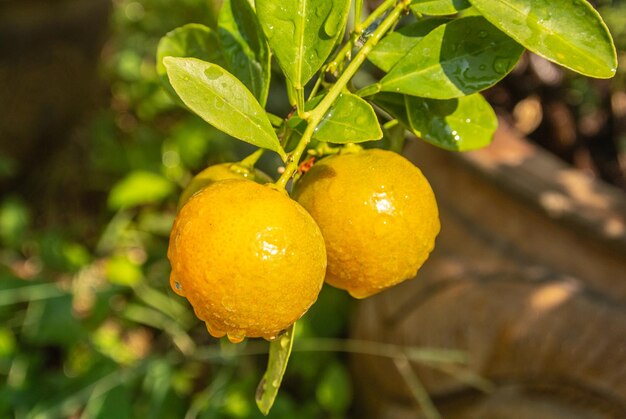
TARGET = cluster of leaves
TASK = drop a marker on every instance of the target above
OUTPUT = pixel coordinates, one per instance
(432, 67)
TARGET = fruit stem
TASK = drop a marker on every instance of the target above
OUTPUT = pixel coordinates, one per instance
(315, 116)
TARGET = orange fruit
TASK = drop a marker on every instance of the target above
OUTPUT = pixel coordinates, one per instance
(378, 216)
(221, 171)
(249, 259)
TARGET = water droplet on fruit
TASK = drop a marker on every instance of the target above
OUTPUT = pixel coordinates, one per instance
(176, 286)
(236, 337)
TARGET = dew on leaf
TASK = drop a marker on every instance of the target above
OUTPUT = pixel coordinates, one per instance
(333, 22)
(212, 73)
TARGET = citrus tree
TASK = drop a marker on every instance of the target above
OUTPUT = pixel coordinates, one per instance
(250, 254)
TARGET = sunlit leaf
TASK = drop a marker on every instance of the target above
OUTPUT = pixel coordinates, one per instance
(280, 350)
(244, 47)
(302, 33)
(350, 120)
(192, 40)
(222, 100)
(390, 50)
(568, 32)
(456, 59)
(139, 188)
(438, 7)
(461, 124)
(121, 271)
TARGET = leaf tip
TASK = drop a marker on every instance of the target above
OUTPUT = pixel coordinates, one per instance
(169, 61)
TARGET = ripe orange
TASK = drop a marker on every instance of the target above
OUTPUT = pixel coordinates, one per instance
(249, 259)
(378, 216)
(220, 172)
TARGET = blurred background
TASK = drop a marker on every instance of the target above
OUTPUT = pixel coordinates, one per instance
(93, 156)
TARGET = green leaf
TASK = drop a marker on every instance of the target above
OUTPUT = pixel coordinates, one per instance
(302, 33)
(462, 57)
(192, 40)
(115, 403)
(390, 50)
(7, 342)
(462, 124)
(394, 105)
(280, 350)
(568, 32)
(122, 271)
(438, 7)
(14, 221)
(222, 100)
(350, 120)
(334, 390)
(54, 322)
(139, 188)
(245, 49)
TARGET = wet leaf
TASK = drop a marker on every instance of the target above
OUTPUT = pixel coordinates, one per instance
(462, 57)
(245, 49)
(462, 124)
(568, 32)
(390, 50)
(222, 100)
(438, 7)
(394, 105)
(192, 40)
(350, 120)
(280, 350)
(302, 33)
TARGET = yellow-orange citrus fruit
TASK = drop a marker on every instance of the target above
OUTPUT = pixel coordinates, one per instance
(378, 216)
(221, 171)
(249, 259)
